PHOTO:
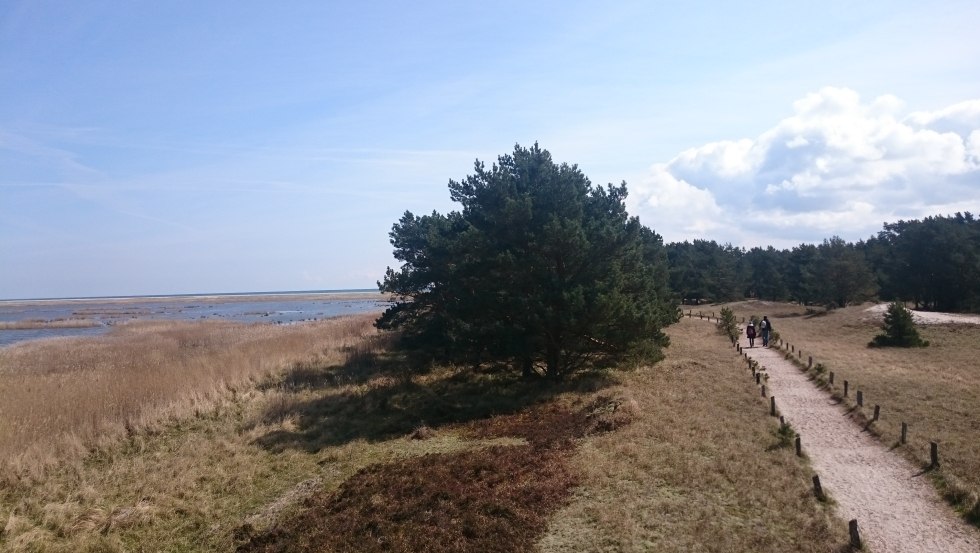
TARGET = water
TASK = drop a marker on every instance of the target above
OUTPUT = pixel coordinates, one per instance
(103, 313)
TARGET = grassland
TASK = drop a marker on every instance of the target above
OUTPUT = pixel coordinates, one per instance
(935, 390)
(345, 450)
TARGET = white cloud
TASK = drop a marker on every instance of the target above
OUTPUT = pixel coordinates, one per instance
(837, 165)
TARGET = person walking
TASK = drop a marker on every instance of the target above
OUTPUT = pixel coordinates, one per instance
(765, 327)
(750, 334)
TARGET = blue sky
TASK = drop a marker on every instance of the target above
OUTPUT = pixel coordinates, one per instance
(183, 147)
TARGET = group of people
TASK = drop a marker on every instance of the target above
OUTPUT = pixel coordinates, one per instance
(765, 330)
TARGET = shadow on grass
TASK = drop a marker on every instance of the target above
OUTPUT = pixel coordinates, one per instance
(375, 399)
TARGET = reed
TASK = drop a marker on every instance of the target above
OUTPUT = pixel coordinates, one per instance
(31, 324)
(62, 397)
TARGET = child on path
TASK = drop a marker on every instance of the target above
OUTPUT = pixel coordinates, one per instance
(750, 333)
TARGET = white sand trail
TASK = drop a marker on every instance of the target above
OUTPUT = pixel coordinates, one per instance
(897, 508)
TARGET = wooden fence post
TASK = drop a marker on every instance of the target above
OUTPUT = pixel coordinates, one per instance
(905, 431)
(810, 364)
(758, 377)
(818, 489)
(860, 398)
(852, 528)
(933, 455)
(877, 412)
(772, 406)
(799, 446)
(763, 390)
(831, 378)
(845, 388)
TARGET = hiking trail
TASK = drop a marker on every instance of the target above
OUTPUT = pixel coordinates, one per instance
(897, 508)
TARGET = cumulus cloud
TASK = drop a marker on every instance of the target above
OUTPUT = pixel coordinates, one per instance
(836, 166)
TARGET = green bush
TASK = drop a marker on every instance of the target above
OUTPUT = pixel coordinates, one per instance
(898, 329)
(728, 324)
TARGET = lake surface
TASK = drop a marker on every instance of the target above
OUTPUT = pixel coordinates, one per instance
(103, 313)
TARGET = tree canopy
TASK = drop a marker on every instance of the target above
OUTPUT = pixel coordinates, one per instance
(539, 270)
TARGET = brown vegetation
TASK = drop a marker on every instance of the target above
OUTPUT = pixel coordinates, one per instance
(935, 390)
(344, 451)
(63, 396)
(30, 324)
(701, 468)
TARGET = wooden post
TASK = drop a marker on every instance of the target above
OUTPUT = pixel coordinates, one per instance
(860, 398)
(933, 454)
(758, 377)
(831, 378)
(700, 315)
(792, 348)
(799, 446)
(852, 528)
(801, 354)
(752, 366)
(905, 431)
(818, 489)
(877, 412)
(772, 406)
(763, 390)
(845, 388)
(810, 364)
(782, 421)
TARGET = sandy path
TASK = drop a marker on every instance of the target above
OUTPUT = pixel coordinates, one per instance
(897, 508)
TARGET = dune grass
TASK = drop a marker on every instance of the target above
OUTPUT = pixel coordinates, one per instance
(701, 468)
(346, 451)
(935, 390)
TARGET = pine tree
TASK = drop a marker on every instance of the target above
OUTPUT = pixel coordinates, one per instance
(898, 329)
(539, 270)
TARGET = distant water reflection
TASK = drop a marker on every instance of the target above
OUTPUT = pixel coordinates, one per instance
(273, 308)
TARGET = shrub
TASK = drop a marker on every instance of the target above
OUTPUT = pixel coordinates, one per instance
(727, 324)
(898, 329)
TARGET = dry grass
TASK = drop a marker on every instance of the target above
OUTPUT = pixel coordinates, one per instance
(342, 449)
(701, 468)
(936, 390)
(29, 324)
(62, 397)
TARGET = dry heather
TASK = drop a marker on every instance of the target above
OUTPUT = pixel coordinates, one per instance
(701, 468)
(935, 390)
(61, 397)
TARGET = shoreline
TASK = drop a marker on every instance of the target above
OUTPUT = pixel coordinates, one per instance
(211, 297)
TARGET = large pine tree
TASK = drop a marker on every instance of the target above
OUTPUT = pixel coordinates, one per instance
(539, 269)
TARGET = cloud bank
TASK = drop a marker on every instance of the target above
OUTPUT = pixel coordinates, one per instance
(837, 166)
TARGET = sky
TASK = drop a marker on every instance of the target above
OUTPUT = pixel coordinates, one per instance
(237, 146)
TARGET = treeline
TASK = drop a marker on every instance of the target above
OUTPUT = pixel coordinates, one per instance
(933, 263)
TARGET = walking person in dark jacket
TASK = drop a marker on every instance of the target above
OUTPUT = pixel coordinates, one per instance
(750, 334)
(765, 328)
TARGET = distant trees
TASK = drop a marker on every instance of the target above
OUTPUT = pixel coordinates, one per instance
(934, 263)
(840, 275)
(539, 270)
(704, 271)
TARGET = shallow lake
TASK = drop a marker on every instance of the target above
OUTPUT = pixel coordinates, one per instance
(103, 313)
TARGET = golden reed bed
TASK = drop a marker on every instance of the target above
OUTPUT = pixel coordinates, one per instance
(61, 397)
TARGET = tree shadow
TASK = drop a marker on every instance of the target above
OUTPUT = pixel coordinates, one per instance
(383, 399)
